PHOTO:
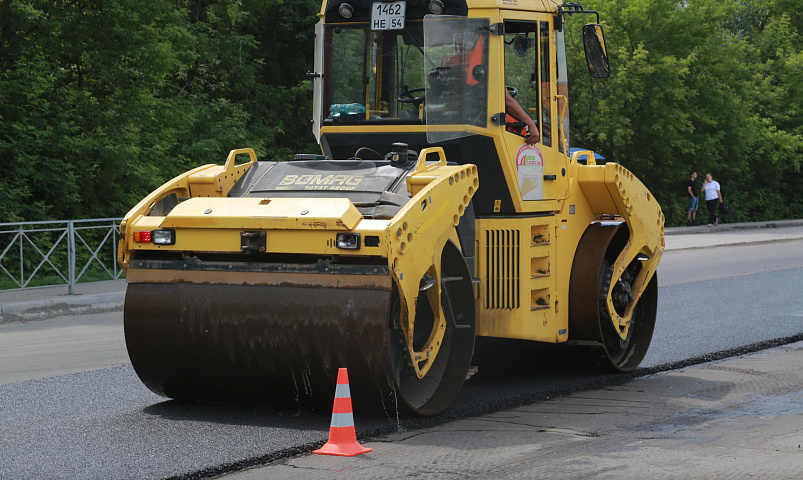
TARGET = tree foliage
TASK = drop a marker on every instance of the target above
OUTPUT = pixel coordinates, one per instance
(103, 100)
(699, 85)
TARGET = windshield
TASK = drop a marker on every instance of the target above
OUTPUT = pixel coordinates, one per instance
(374, 76)
(385, 76)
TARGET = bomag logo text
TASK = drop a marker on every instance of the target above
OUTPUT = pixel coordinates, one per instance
(321, 182)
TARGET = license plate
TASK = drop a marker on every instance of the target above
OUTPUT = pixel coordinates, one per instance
(388, 16)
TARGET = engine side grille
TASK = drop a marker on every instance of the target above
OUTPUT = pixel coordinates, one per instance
(502, 285)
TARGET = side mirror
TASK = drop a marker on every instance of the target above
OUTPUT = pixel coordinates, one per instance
(596, 52)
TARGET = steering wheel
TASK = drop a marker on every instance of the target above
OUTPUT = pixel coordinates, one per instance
(408, 96)
(513, 91)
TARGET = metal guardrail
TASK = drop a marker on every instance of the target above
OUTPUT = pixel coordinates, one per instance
(55, 249)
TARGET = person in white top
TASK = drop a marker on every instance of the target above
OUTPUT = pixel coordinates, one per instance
(712, 194)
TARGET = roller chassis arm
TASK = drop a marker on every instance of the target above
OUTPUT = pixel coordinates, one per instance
(611, 189)
(417, 236)
(216, 178)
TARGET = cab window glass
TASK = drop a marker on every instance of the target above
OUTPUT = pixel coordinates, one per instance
(374, 76)
(546, 89)
(456, 55)
(346, 76)
(521, 66)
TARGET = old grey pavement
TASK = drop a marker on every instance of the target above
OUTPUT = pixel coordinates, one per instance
(736, 418)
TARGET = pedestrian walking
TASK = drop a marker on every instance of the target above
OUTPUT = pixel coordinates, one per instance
(691, 190)
(713, 197)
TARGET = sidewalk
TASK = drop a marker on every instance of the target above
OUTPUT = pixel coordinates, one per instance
(684, 238)
(741, 417)
(22, 305)
(41, 303)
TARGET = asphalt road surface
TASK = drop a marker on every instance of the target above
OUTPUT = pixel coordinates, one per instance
(61, 346)
(102, 423)
(736, 418)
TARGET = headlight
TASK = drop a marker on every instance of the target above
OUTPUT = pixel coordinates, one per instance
(436, 7)
(348, 241)
(163, 237)
(346, 10)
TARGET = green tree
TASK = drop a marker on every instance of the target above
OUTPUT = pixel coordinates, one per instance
(101, 101)
(689, 91)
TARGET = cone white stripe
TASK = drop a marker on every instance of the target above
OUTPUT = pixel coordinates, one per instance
(342, 420)
(342, 391)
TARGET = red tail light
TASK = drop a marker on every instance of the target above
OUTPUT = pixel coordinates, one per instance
(142, 237)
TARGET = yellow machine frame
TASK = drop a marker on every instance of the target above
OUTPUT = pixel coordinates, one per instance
(523, 258)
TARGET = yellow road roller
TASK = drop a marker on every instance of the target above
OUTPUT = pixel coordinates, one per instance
(430, 217)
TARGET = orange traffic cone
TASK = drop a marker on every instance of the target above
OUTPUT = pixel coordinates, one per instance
(342, 436)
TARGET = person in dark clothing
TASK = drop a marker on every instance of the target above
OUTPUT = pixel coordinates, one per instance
(691, 190)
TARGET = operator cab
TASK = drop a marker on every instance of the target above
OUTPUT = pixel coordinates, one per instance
(434, 73)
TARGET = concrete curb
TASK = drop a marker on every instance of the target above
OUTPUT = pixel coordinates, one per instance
(60, 306)
(733, 226)
(731, 244)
